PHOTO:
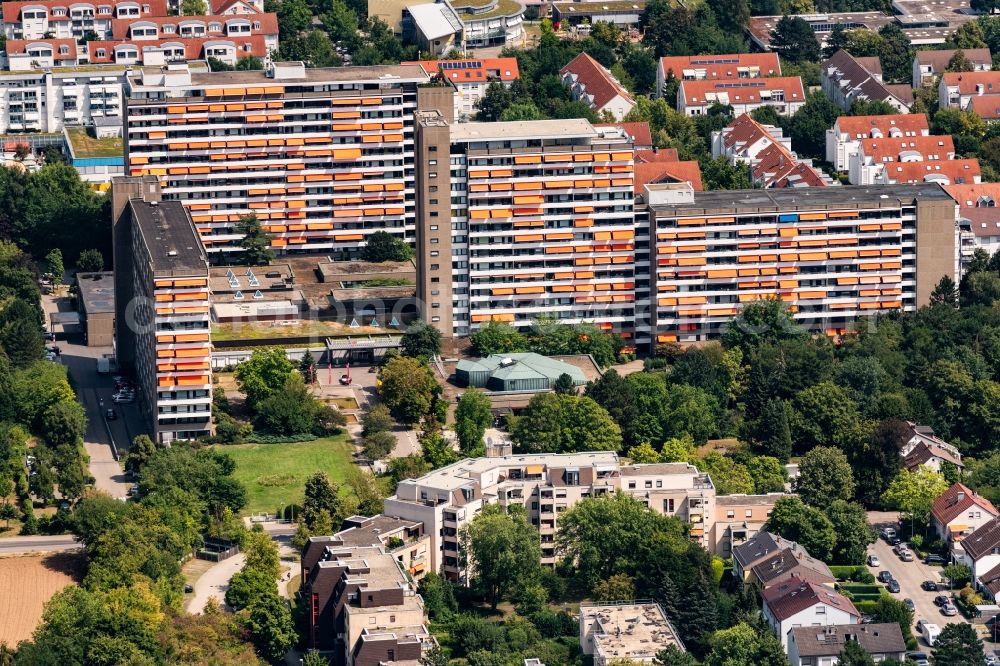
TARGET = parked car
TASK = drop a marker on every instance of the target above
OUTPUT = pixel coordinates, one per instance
(900, 548)
(991, 660)
(941, 600)
(888, 533)
(110, 415)
(906, 556)
(929, 586)
(909, 604)
(188, 589)
(884, 576)
(949, 610)
(893, 586)
(920, 625)
(873, 561)
(919, 658)
(934, 560)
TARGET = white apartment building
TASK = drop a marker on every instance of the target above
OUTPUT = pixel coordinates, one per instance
(868, 164)
(546, 485)
(844, 138)
(48, 101)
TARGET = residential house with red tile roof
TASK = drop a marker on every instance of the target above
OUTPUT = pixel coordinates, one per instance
(928, 65)
(36, 54)
(64, 20)
(944, 172)
(980, 551)
(165, 51)
(768, 153)
(470, 78)
(960, 511)
(726, 66)
(231, 7)
(986, 107)
(956, 89)
(798, 602)
(783, 93)
(199, 27)
(844, 138)
(591, 83)
(924, 448)
(847, 79)
(875, 155)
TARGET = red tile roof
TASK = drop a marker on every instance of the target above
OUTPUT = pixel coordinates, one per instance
(955, 501)
(597, 81)
(477, 70)
(657, 155)
(800, 175)
(18, 46)
(12, 10)
(268, 24)
(647, 173)
(966, 82)
(967, 195)
(640, 132)
(745, 131)
(721, 66)
(796, 594)
(194, 47)
(857, 127)
(986, 106)
(890, 148)
(917, 172)
(220, 6)
(741, 91)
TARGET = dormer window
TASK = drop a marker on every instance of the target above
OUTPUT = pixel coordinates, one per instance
(256, 25)
(63, 50)
(215, 27)
(101, 53)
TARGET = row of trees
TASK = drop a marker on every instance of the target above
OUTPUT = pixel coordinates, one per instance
(128, 608)
(549, 338)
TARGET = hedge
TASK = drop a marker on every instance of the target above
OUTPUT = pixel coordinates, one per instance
(844, 572)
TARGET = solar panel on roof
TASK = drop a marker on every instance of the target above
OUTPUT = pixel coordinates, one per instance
(714, 61)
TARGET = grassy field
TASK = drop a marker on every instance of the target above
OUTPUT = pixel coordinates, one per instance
(275, 474)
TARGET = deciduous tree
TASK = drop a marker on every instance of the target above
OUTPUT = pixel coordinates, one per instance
(501, 549)
(824, 476)
(473, 416)
(796, 521)
(408, 388)
(497, 337)
(421, 340)
(263, 374)
(382, 246)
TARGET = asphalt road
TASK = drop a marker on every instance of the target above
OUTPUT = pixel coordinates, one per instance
(94, 393)
(38, 544)
(910, 575)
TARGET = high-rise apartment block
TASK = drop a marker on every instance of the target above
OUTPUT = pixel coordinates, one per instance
(162, 310)
(833, 254)
(540, 223)
(321, 157)
(546, 485)
(516, 221)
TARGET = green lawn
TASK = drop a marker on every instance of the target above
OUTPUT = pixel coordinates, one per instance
(275, 474)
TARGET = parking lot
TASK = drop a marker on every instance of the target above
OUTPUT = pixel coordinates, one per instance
(910, 575)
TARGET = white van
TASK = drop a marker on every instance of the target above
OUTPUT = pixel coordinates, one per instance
(930, 633)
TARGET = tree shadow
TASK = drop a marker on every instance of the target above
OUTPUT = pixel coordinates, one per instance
(72, 564)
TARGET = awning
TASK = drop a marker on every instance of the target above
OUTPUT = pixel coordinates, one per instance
(957, 528)
(534, 469)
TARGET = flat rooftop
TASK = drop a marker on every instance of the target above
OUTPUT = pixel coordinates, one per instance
(375, 73)
(170, 237)
(460, 474)
(375, 527)
(748, 500)
(83, 146)
(628, 631)
(97, 291)
(848, 196)
(523, 130)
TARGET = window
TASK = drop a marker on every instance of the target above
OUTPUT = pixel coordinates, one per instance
(631, 485)
(730, 514)
(668, 505)
(648, 484)
(749, 513)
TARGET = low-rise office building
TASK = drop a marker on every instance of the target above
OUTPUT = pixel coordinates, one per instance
(634, 631)
(162, 329)
(833, 254)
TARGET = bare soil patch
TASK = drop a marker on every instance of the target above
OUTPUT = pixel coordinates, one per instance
(27, 583)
